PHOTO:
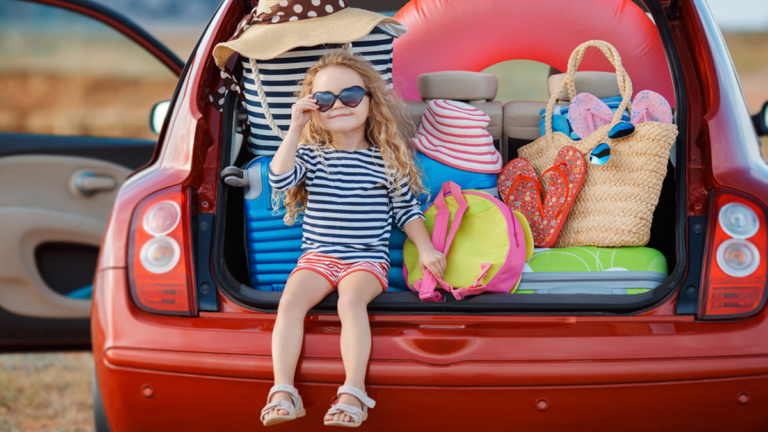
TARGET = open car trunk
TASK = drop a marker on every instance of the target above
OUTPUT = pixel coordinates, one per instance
(667, 235)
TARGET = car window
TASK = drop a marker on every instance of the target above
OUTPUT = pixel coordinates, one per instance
(749, 53)
(62, 73)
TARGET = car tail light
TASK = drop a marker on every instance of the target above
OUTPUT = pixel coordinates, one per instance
(160, 259)
(735, 278)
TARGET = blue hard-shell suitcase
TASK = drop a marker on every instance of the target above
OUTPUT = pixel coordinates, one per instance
(274, 248)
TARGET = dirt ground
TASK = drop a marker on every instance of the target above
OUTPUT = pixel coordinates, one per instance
(46, 392)
(52, 392)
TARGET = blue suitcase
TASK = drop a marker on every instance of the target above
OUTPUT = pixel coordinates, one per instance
(274, 248)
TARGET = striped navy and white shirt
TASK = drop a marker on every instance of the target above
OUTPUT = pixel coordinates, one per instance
(350, 207)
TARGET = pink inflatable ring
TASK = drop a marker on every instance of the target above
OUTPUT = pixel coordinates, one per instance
(471, 35)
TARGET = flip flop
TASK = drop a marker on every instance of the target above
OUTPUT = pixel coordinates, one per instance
(648, 106)
(565, 178)
(508, 175)
(587, 113)
(519, 188)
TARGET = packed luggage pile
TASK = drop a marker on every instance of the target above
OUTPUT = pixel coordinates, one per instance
(571, 215)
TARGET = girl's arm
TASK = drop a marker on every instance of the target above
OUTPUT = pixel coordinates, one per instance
(284, 160)
(429, 257)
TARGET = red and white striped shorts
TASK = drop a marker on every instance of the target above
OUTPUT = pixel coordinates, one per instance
(334, 270)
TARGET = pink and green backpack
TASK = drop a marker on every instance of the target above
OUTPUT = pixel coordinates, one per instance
(483, 241)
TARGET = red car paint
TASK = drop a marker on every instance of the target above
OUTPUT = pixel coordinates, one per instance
(652, 370)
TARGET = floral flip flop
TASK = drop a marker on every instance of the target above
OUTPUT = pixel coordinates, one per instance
(568, 171)
(587, 113)
(521, 190)
(648, 106)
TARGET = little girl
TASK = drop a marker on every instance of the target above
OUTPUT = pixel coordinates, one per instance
(353, 173)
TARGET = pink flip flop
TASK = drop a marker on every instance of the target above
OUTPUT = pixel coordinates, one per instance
(587, 113)
(649, 106)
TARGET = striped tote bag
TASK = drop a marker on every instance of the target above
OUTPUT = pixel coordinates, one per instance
(270, 93)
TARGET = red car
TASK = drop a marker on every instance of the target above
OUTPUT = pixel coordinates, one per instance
(189, 349)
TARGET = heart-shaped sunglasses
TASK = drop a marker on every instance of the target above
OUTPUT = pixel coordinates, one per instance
(350, 96)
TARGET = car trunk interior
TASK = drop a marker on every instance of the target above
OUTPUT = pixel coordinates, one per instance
(592, 291)
(231, 267)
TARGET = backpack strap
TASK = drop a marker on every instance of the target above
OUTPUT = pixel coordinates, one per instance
(442, 239)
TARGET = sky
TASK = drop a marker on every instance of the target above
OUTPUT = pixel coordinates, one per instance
(740, 15)
(731, 15)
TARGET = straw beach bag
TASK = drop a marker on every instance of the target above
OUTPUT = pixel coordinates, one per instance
(616, 202)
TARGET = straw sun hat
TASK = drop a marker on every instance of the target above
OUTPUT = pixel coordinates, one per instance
(278, 26)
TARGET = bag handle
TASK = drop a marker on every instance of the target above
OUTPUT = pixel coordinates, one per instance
(442, 238)
(263, 99)
(625, 84)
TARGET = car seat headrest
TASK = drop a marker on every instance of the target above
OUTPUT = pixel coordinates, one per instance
(463, 86)
(600, 84)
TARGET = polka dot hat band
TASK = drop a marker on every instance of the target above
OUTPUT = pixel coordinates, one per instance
(277, 26)
(297, 10)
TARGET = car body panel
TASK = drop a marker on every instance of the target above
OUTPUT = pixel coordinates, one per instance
(175, 164)
(739, 166)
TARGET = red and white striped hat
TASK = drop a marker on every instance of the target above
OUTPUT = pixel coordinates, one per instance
(454, 133)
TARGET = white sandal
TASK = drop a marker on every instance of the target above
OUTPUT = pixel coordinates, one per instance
(295, 409)
(358, 415)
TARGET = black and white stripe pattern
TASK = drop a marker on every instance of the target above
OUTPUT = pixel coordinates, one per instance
(280, 79)
(350, 208)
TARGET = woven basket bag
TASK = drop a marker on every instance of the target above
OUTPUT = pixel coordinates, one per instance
(616, 203)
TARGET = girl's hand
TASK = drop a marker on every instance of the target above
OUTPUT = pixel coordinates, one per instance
(432, 260)
(301, 111)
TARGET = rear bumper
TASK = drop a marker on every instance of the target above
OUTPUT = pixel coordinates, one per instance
(466, 374)
(188, 402)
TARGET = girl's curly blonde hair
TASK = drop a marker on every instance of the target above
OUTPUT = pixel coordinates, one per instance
(388, 128)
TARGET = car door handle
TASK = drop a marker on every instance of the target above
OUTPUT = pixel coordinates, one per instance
(89, 183)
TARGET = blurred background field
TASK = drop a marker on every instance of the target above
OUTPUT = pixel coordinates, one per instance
(109, 90)
(46, 392)
(65, 74)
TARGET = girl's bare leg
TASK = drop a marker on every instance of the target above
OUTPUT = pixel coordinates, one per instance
(355, 292)
(303, 290)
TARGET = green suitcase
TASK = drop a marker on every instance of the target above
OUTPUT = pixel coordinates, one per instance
(593, 270)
